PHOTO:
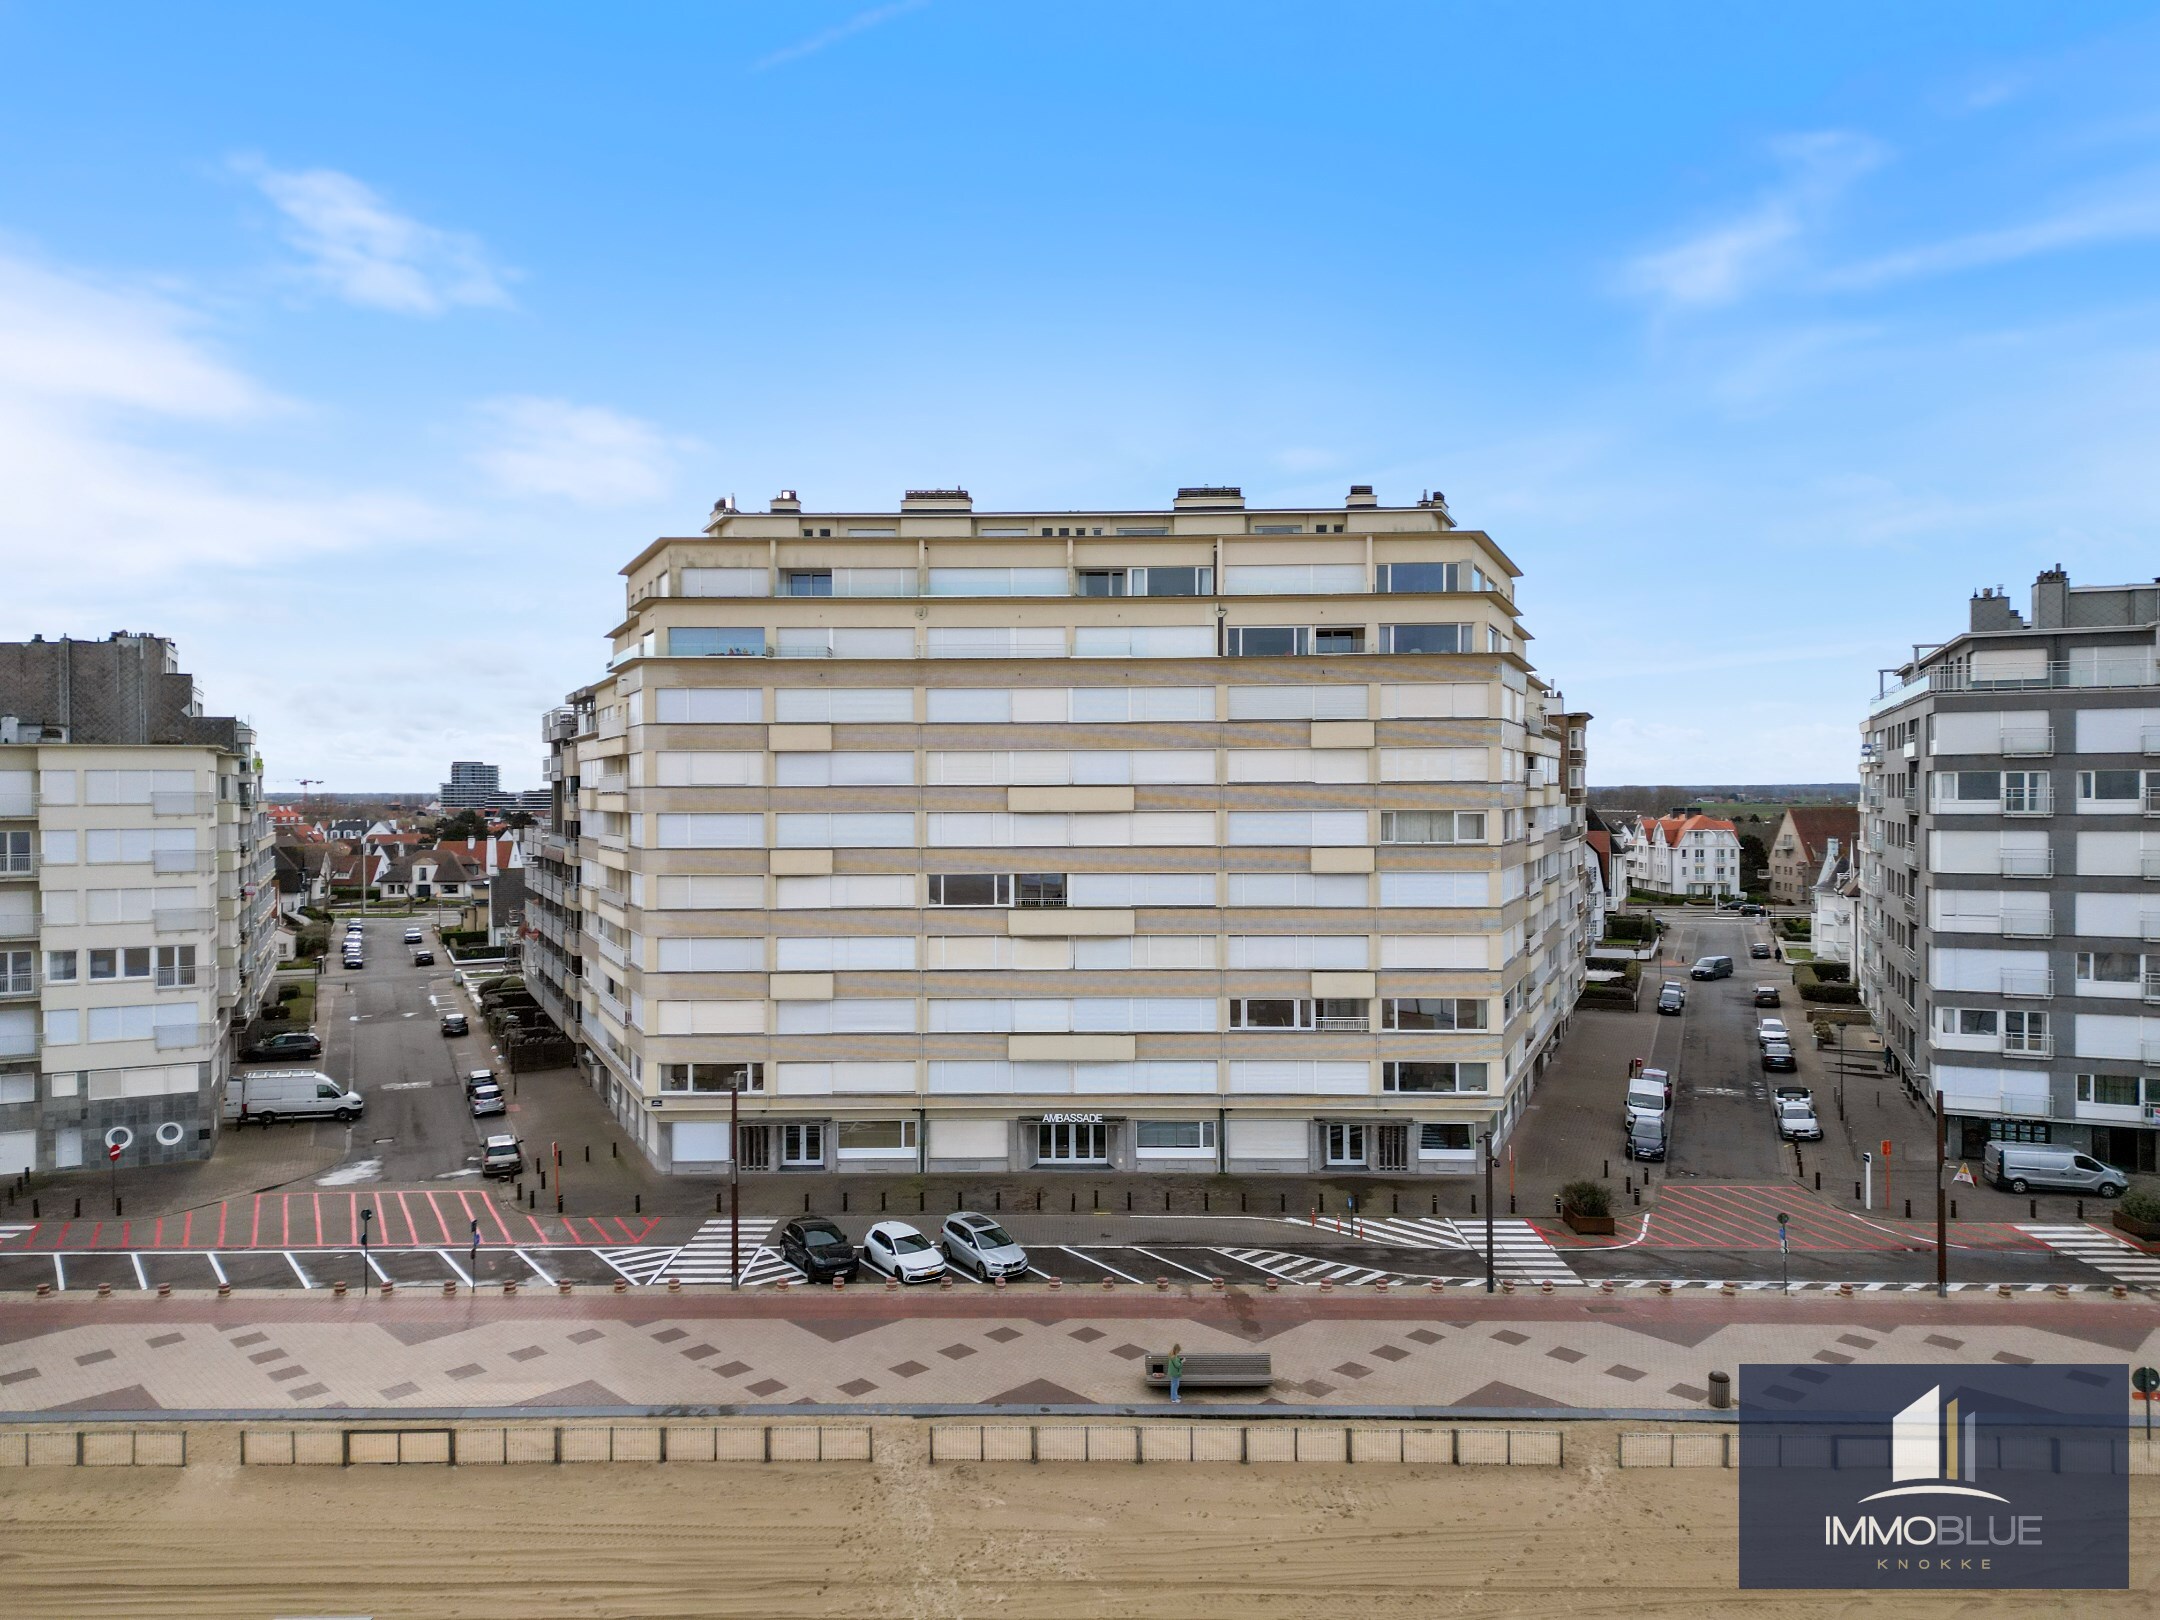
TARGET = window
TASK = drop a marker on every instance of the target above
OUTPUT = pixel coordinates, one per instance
(1174, 581)
(719, 955)
(131, 962)
(1072, 1142)
(1432, 1077)
(711, 832)
(710, 768)
(58, 849)
(1345, 1144)
(829, 704)
(1968, 787)
(1431, 578)
(18, 972)
(1297, 828)
(175, 967)
(15, 852)
(698, 705)
(1436, 1138)
(876, 1138)
(719, 1077)
(2110, 967)
(1428, 1013)
(844, 770)
(2026, 1032)
(2025, 793)
(1325, 1013)
(997, 582)
(724, 582)
(710, 642)
(1102, 582)
(1294, 579)
(2108, 785)
(1173, 1138)
(2116, 1090)
(970, 889)
(1432, 826)
(802, 1145)
(1426, 638)
(1264, 641)
(806, 582)
(884, 830)
(59, 967)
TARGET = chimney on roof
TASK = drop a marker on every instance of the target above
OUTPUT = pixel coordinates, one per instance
(937, 500)
(1991, 610)
(1361, 495)
(2051, 599)
(787, 501)
(1209, 497)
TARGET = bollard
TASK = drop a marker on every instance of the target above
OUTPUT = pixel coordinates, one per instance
(717, 1209)
(1605, 1286)
(1057, 1282)
(1818, 1181)
(1271, 1285)
(622, 1285)
(543, 1181)
(224, 1290)
(1327, 1288)
(2032, 1209)
(2120, 1292)
(338, 1288)
(1908, 1209)
(674, 1285)
(637, 1203)
(387, 1288)
(1953, 1209)
(945, 1282)
(449, 1289)
(892, 1285)
(563, 1286)
(1606, 1173)
(1162, 1285)
(1380, 1286)
(997, 1282)
(509, 1287)
(2081, 1209)
(33, 1209)
(1473, 1203)
(2002, 1290)
(1107, 1285)
(588, 1153)
(1665, 1288)
(1507, 1285)
(1856, 1192)
(164, 1290)
(104, 1290)
(1721, 1390)
(611, 1153)
(1436, 1286)
(1544, 1287)
(78, 1209)
(1627, 1184)
(118, 1211)
(1216, 1283)
(2060, 1290)
(1638, 1200)
(44, 1290)
(1844, 1290)
(1727, 1289)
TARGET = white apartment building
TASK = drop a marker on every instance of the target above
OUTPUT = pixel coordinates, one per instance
(1197, 839)
(137, 904)
(1685, 852)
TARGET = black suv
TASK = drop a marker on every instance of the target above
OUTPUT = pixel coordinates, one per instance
(817, 1248)
(288, 1043)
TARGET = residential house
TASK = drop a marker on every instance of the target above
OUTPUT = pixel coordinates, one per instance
(1836, 895)
(1685, 852)
(1802, 840)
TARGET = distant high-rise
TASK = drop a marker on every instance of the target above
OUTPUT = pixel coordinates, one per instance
(472, 785)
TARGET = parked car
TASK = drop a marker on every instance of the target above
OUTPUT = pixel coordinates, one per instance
(1777, 1057)
(1671, 998)
(2023, 1166)
(352, 961)
(454, 1023)
(1647, 1136)
(413, 936)
(976, 1243)
(1771, 1029)
(817, 1248)
(487, 1100)
(476, 1078)
(501, 1156)
(1760, 950)
(1751, 909)
(1766, 995)
(423, 958)
(1711, 967)
(1794, 1107)
(898, 1250)
(1649, 1092)
(291, 1043)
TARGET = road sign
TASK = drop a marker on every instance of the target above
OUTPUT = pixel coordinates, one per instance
(2145, 1380)
(113, 1152)
(1784, 1235)
(1886, 1150)
(1965, 1175)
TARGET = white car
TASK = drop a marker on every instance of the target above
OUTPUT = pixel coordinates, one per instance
(898, 1250)
(976, 1243)
(413, 936)
(1770, 1029)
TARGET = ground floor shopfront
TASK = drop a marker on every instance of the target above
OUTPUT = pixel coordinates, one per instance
(2133, 1148)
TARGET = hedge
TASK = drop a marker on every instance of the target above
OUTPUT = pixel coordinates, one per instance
(1831, 972)
(1631, 927)
(1807, 978)
(1797, 927)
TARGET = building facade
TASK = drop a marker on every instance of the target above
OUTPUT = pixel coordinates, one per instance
(2009, 908)
(472, 786)
(1804, 835)
(1193, 839)
(138, 904)
(1685, 852)
(551, 933)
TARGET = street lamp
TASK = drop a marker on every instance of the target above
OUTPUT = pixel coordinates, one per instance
(1489, 1249)
(366, 1215)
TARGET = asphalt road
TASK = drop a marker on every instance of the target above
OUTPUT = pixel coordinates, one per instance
(1722, 1129)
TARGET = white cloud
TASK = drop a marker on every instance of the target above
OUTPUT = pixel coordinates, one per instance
(861, 22)
(583, 453)
(367, 253)
(1724, 261)
(2133, 214)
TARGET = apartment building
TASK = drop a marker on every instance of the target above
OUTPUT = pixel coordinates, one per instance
(2010, 870)
(553, 927)
(1191, 839)
(1805, 835)
(138, 903)
(473, 785)
(1685, 852)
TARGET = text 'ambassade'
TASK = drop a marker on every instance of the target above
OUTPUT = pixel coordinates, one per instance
(1189, 840)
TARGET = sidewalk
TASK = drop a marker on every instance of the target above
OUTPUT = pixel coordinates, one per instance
(869, 1348)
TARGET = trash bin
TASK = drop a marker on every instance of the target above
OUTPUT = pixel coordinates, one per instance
(1721, 1390)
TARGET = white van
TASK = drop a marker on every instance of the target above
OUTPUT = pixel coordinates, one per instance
(1645, 1095)
(2021, 1166)
(268, 1095)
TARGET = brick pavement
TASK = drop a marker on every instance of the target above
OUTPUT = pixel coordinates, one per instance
(261, 1354)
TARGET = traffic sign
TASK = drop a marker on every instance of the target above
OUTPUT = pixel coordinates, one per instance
(2145, 1380)
(113, 1152)
(1886, 1150)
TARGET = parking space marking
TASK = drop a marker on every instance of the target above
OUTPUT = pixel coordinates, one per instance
(59, 1273)
(142, 1279)
(292, 1261)
(216, 1266)
(530, 1261)
(1204, 1276)
(450, 1260)
(1091, 1260)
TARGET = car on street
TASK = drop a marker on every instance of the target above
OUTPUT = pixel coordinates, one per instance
(1649, 1092)
(453, 1023)
(898, 1250)
(1751, 909)
(2021, 1166)
(1766, 995)
(476, 1078)
(290, 1043)
(974, 1242)
(817, 1248)
(423, 958)
(353, 961)
(413, 936)
(1777, 1057)
(1760, 950)
(1648, 1135)
(1671, 998)
(1794, 1107)
(1711, 967)
(501, 1156)
(1771, 1029)
(487, 1100)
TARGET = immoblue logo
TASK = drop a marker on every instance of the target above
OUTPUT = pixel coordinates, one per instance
(1934, 1477)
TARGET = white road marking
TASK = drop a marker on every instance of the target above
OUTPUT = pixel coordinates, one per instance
(1091, 1260)
(454, 1266)
(59, 1273)
(2103, 1251)
(1166, 1260)
(290, 1260)
(707, 1257)
(142, 1278)
(530, 1261)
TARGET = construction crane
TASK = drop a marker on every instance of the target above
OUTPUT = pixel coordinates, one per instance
(307, 782)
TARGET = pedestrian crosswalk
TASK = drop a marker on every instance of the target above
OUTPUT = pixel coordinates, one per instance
(2102, 1250)
(1520, 1250)
(708, 1256)
(639, 1265)
(1303, 1268)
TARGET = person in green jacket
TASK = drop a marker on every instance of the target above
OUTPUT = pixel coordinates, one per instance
(1175, 1367)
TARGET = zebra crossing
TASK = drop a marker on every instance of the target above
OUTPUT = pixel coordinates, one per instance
(1303, 1269)
(2102, 1250)
(708, 1256)
(1520, 1250)
(641, 1266)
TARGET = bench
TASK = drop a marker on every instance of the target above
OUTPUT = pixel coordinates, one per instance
(1242, 1370)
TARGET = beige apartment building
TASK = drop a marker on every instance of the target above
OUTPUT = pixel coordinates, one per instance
(137, 904)
(1208, 838)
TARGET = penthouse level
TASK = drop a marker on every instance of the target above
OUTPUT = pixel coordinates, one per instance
(1202, 838)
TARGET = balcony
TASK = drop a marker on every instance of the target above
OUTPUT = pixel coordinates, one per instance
(2150, 802)
(2028, 1046)
(2026, 863)
(1343, 1025)
(2029, 803)
(18, 984)
(19, 865)
(182, 804)
(2149, 988)
(179, 978)
(2101, 667)
(2026, 983)
(2028, 924)
(174, 1037)
(2028, 742)
(2003, 1101)
(182, 862)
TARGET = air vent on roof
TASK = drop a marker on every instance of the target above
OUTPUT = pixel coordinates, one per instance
(787, 501)
(1209, 495)
(1361, 495)
(937, 500)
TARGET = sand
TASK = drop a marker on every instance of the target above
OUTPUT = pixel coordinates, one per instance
(901, 1539)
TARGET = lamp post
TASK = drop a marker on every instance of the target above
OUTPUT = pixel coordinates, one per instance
(1489, 1250)
(1784, 1244)
(366, 1215)
(734, 1183)
(1942, 1195)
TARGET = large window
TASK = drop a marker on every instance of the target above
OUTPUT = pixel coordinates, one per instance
(802, 1145)
(1074, 1141)
(1345, 1144)
(1173, 1138)
(1426, 638)
(1432, 826)
(715, 1077)
(175, 967)
(2108, 786)
(2117, 1090)
(710, 642)
(1432, 1013)
(1438, 1137)
(1031, 890)
(1341, 1014)
(1431, 577)
(876, 1138)
(1432, 1077)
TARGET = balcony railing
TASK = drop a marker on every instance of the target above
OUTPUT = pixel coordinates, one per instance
(2028, 1046)
(2029, 803)
(18, 986)
(2122, 666)
(1344, 1026)
(2021, 924)
(182, 804)
(2028, 742)
(2026, 983)
(171, 1037)
(2014, 1104)
(17, 864)
(180, 862)
(2151, 801)
(2149, 988)
(2027, 863)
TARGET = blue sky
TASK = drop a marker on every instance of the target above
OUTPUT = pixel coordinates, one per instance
(357, 348)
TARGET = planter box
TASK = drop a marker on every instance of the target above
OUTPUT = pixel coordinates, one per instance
(1588, 1225)
(2145, 1231)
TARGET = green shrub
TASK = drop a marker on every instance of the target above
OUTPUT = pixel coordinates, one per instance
(1808, 979)
(1831, 972)
(2141, 1203)
(1797, 927)
(1631, 927)
(1587, 1197)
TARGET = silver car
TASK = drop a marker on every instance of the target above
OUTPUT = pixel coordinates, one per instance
(974, 1242)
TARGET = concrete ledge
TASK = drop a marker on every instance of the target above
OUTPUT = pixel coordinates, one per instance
(799, 739)
(801, 862)
(1057, 923)
(801, 987)
(1357, 986)
(1342, 860)
(1068, 798)
(1342, 734)
(1278, 1442)
(1071, 1048)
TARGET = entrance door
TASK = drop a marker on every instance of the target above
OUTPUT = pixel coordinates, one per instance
(1072, 1142)
(67, 1147)
(1346, 1145)
(802, 1147)
(18, 1151)
(1391, 1147)
(756, 1147)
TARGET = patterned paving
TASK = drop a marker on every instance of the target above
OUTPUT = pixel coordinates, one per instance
(414, 1218)
(972, 1346)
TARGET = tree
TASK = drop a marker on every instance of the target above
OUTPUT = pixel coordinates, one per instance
(516, 819)
(1754, 860)
(465, 824)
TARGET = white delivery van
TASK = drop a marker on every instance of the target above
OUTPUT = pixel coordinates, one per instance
(1645, 1095)
(266, 1096)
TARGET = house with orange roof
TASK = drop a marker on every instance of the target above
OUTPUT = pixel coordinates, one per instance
(1685, 852)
